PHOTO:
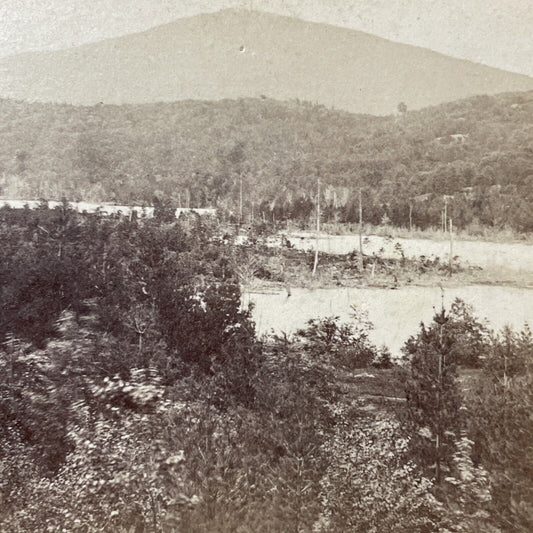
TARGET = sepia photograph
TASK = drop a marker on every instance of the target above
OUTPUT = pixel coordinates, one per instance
(266, 267)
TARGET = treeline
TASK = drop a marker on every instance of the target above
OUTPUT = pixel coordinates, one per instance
(474, 154)
(135, 396)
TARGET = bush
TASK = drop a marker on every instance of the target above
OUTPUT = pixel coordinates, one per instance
(345, 344)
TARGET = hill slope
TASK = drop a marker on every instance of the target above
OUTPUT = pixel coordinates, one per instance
(478, 150)
(233, 54)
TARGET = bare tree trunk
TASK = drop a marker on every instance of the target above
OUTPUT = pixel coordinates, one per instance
(240, 202)
(360, 232)
(317, 226)
(445, 214)
(451, 246)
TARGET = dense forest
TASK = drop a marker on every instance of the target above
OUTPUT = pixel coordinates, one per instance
(476, 155)
(136, 397)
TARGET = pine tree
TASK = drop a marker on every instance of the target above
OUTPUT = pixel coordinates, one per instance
(433, 397)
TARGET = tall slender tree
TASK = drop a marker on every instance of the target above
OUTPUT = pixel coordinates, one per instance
(433, 397)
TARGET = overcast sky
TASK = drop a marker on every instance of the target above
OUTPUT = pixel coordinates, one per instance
(494, 32)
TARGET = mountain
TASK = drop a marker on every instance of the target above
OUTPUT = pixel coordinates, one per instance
(478, 152)
(237, 53)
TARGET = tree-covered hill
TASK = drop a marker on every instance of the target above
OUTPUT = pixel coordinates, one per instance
(478, 152)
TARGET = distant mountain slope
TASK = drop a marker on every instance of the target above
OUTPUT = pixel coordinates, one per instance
(232, 54)
(479, 150)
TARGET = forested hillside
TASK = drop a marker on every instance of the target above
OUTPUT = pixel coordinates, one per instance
(478, 152)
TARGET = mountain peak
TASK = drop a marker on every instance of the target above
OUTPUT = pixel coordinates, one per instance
(237, 53)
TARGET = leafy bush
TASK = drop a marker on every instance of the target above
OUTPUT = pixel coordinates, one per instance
(345, 344)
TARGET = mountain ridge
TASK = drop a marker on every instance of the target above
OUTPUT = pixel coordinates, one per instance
(235, 53)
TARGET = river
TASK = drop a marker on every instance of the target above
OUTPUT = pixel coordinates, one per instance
(396, 314)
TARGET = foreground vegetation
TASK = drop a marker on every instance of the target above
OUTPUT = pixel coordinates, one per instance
(135, 397)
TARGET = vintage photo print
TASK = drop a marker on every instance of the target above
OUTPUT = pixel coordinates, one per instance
(266, 266)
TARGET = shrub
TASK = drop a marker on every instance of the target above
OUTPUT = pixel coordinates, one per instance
(345, 344)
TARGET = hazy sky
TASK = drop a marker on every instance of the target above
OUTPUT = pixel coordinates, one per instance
(495, 32)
